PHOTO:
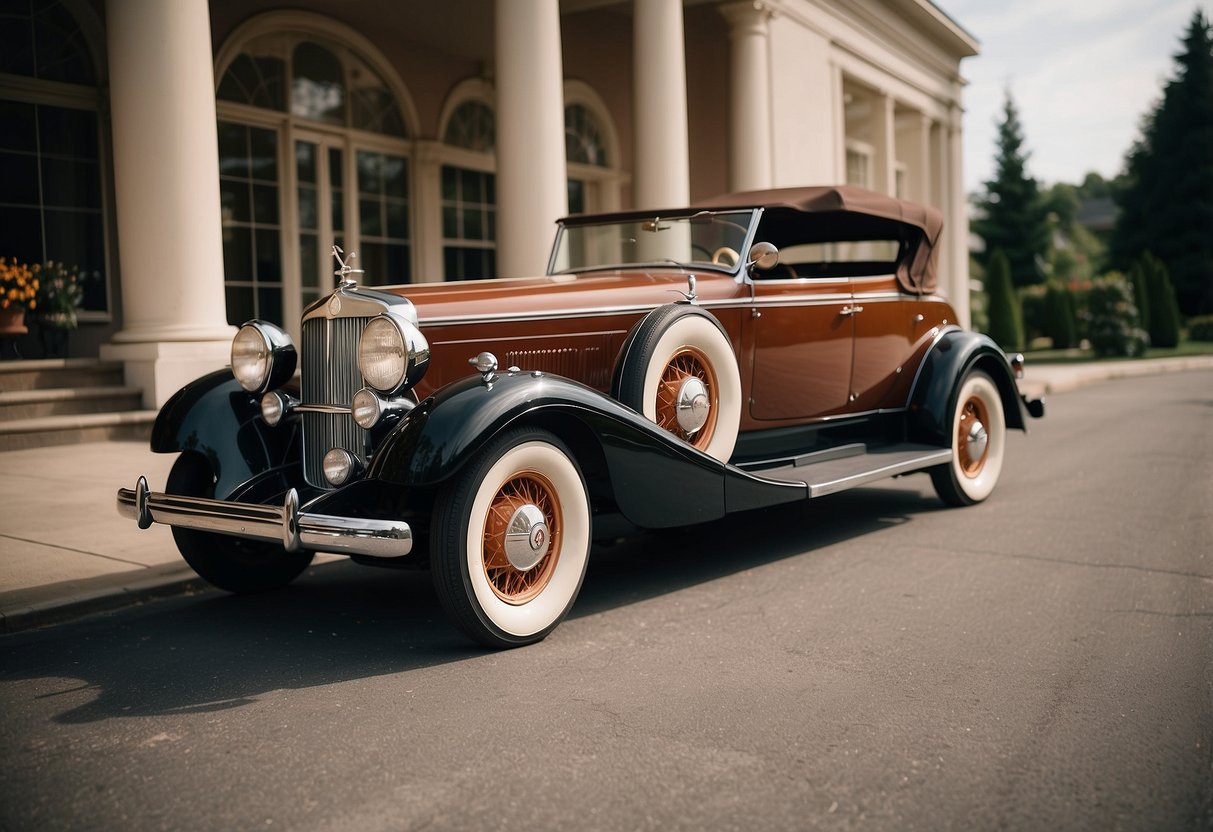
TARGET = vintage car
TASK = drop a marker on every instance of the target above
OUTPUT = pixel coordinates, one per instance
(671, 368)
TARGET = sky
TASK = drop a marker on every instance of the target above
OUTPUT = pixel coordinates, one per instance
(1082, 74)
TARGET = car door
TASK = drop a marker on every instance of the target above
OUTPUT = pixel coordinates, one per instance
(885, 337)
(801, 331)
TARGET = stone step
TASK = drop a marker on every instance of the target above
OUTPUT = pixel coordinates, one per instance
(35, 404)
(72, 428)
(49, 373)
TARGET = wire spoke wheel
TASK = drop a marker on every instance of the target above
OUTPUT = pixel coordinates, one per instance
(510, 583)
(979, 434)
(686, 365)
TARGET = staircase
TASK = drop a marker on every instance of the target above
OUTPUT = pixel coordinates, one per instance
(62, 401)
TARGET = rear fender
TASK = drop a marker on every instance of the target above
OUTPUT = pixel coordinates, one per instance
(218, 419)
(933, 399)
(654, 479)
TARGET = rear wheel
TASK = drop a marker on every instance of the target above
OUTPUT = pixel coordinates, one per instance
(979, 432)
(511, 539)
(231, 563)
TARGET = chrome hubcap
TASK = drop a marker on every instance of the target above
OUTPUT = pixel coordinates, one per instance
(526, 537)
(977, 441)
(693, 405)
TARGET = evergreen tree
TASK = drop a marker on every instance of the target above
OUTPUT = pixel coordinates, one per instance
(1005, 314)
(1139, 276)
(1059, 317)
(1163, 323)
(1166, 198)
(1013, 216)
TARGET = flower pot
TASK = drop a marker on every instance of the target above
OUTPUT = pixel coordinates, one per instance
(12, 322)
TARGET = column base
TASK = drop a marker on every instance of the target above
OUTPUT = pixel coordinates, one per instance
(161, 368)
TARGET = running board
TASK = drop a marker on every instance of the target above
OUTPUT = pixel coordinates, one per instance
(839, 470)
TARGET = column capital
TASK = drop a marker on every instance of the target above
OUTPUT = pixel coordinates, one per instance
(752, 15)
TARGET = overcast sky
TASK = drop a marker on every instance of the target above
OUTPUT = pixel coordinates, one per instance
(1082, 74)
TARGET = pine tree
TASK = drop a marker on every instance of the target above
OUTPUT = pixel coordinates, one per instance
(1014, 215)
(1166, 200)
(1006, 316)
(1139, 277)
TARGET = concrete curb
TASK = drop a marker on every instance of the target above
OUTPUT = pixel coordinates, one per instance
(1052, 379)
(57, 603)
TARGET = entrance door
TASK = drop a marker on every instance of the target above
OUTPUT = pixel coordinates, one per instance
(320, 197)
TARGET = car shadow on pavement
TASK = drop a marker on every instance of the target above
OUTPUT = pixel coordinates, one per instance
(211, 651)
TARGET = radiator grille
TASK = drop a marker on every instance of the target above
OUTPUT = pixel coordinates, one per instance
(330, 376)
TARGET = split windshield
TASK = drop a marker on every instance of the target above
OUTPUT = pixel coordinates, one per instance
(706, 239)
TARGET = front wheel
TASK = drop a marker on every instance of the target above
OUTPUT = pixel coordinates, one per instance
(979, 435)
(231, 563)
(510, 540)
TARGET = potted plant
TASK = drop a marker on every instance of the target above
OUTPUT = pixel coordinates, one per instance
(18, 292)
(60, 293)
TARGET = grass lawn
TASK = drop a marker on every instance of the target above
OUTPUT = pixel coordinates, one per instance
(1185, 348)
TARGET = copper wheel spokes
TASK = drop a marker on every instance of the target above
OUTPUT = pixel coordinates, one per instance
(685, 364)
(972, 455)
(512, 585)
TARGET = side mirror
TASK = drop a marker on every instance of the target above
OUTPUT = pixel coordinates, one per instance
(763, 256)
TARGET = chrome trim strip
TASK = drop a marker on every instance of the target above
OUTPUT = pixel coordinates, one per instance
(285, 524)
(332, 409)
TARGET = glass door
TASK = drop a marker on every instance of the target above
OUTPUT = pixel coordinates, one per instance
(320, 194)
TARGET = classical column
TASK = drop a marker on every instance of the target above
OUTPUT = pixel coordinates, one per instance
(957, 219)
(915, 139)
(532, 182)
(659, 83)
(166, 182)
(884, 149)
(750, 96)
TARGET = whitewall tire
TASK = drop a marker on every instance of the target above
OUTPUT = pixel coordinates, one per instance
(979, 437)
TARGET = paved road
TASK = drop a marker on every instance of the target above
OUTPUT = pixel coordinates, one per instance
(1041, 661)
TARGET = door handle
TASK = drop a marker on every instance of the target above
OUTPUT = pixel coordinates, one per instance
(847, 311)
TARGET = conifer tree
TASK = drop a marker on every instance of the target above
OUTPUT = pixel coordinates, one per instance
(1005, 313)
(1166, 200)
(1163, 324)
(1014, 216)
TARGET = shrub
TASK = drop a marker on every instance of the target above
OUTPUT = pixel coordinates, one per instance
(1201, 328)
(1113, 327)
(1032, 305)
(1139, 277)
(1058, 321)
(1164, 309)
(1005, 315)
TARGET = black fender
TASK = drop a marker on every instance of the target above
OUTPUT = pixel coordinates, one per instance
(950, 358)
(217, 418)
(655, 480)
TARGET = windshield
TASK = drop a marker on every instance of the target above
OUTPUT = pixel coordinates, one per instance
(712, 239)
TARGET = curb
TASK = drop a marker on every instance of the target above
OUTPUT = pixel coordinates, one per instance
(95, 595)
(1076, 376)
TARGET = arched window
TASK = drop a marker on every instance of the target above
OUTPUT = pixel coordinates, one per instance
(52, 147)
(469, 187)
(313, 151)
(591, 151)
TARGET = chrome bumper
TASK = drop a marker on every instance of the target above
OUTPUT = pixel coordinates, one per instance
(284, 524)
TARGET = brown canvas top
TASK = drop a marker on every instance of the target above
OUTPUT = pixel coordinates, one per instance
(845, 204)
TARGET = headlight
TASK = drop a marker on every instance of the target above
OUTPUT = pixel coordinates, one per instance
(262, 356)
(392, 353)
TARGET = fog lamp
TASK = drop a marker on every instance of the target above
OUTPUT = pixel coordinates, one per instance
(340, 466)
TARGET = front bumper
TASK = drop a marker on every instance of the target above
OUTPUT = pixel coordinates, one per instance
(285, 524)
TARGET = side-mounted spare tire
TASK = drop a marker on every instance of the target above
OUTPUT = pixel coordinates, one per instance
(679, 370)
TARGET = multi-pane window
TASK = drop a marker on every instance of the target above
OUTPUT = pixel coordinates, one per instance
(348, 188)
(586, 154)
(859, 168)
(252, 227)
(51, 203)
(469, 198)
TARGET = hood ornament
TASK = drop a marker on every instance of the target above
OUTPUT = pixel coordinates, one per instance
(344, 281)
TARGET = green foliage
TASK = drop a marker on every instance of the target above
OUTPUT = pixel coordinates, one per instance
(1139, 279)
(1013, 217)
(1166, 197)
(1201, 328)
(1163, 324)
(1005, 315)
(1058, 313)
(978, 319)
(1113, 327)
(1032, 308)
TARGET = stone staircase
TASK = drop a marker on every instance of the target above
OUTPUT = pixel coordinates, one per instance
(62, 401)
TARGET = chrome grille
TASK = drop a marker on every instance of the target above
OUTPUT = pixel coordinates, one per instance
(330, 376)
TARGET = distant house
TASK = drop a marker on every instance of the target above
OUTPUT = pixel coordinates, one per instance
(202, 157)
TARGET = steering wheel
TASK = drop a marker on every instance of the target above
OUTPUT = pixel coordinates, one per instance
(725, 256)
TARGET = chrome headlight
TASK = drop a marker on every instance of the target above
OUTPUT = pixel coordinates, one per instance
(392, 353)
(262, 356)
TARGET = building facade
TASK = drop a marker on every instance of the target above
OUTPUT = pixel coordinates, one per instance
(202, 157)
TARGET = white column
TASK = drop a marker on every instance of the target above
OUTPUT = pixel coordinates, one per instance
(750, 156)
(884, 165)
(958, 220)
(532, 182)
(659, 84)
(166, 182)
(915, 140)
